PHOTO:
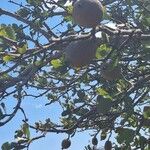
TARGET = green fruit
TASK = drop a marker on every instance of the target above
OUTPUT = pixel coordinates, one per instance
(65, 143)
(87, 13)
(80, 53)
(110, 72)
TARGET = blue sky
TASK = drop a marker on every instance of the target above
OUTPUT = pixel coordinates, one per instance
(36, 111)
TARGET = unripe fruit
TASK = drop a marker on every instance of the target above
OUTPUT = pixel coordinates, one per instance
(109, 72)
(87, 13)
(65, 143)
(94, 141)
(80, 53)
(108, 145)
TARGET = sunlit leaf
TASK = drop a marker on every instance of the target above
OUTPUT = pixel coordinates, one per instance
(26, 131)
(7, 31)
(103, 93)
(8, 58)
(23, 48)
(102, 51)
(56, 63)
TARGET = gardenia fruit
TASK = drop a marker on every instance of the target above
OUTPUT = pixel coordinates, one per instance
(80, 53)
(87, 13)
(108, 145)
(110, 72)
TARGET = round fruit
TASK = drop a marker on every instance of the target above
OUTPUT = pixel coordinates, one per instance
(110, 72)
(87, 13)
(108, 145)
(94, 141)
(80, 53)
(65, 143)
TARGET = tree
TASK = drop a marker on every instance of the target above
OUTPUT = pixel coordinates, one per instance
(109, 95)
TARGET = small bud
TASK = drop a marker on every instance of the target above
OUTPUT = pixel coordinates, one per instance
(94, 141)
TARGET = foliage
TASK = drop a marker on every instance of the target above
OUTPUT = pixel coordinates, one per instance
(32, 57)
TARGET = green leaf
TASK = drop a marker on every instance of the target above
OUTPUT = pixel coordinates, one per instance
(26, 130)
(69, 9)
(122, 85)
(125, 135)
(10, 32)
(8, 58)
(103, 93)
(67, 122)
(56, 63)
(68, 18)
(103, 104)
(102, 51)
(128, 105)
(42, 81)
(146, 19)
(22, 48)
(133, 121)
(105, 14)
(2, 31)
(23, 12)
(146, 112)
(6, 146)
(7, 31)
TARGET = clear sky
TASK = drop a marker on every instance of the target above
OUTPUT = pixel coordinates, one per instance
(36, 111)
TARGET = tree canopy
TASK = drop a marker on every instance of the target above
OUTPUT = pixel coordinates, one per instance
(110, 95)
